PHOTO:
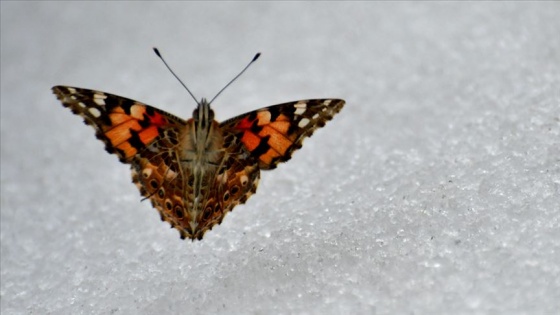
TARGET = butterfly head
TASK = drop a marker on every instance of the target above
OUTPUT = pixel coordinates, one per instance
(203, 115)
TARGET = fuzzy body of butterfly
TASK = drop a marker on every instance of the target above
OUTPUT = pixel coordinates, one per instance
(195, 171)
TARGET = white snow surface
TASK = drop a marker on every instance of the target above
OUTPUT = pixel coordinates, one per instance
(436, 190)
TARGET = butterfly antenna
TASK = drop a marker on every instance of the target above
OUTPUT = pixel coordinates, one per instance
(183, 84)
(237, 76)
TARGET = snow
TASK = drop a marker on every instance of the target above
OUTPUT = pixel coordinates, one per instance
(436, 190)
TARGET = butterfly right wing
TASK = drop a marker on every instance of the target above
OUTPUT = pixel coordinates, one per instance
(273, 133)
(235, 179)
(259, 140)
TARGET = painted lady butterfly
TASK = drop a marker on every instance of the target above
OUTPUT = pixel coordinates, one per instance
(196, 171)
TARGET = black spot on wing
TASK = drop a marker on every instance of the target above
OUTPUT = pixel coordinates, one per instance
(252, 116)
(135, 141)
(105, 120)
(274, 112)
(145, 122)
(293, 127)
(126, 104)
(255, 128)
(110, 149)
(119, 152)
(262, 148)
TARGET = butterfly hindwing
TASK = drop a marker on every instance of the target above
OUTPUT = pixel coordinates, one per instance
(160, 179)
(124, 125)
(273, 133)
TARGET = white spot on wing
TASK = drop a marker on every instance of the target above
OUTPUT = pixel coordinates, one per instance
(299, 111)
(244, 180)
(99, 98)
(303, 122)
(300, 108)
(147, 172)
(222, 178)
(94, 112)
(170, 175)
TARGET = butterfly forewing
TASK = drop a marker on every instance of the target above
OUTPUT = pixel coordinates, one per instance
(127, 127)
(165, 160)
(273, 133)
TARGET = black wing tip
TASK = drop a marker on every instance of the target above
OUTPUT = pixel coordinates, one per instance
(57, 88)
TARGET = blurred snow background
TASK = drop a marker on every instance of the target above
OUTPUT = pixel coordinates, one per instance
(435, 191)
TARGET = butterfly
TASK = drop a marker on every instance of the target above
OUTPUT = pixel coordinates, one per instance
(195, 171)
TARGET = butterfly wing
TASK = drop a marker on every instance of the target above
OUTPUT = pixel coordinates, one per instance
(234, 181)
(260, 140)
(273, 133)
(140, 135)
(150, 140)
(127, 127)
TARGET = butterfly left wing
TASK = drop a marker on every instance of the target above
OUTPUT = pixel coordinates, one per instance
(272, 134)
(127, 127)
(143, 136)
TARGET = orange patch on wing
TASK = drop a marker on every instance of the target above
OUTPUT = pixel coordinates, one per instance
(118, 110)
(121, 132)
(280, 126)
(277, 141)
(148, 134)
(268, 156)
(138, 112)
(244, 124)
(118, 118)
(158, 119)
(250, 140)
(128, 150)
(282, 117)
